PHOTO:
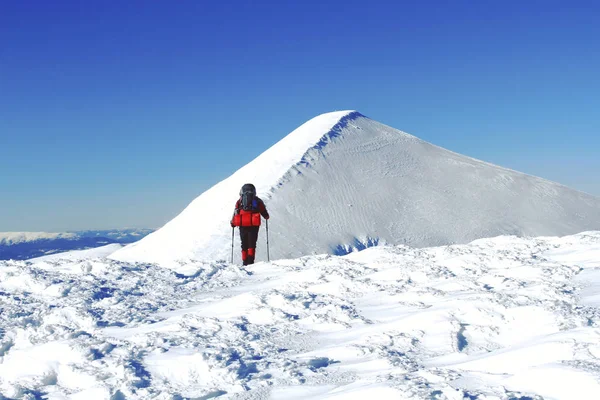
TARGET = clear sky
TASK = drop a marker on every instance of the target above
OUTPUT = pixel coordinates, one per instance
(119, 113)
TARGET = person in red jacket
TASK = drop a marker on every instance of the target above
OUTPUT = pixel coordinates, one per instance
(248, 210)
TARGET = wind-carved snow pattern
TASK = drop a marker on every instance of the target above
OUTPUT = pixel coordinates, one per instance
(336, 131)
(342, 182)
(316, 151)
(356, 244)
(501, 318)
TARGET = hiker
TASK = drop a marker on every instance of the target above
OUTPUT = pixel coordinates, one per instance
(248, 210)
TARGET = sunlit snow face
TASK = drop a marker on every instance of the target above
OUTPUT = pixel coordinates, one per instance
(401, 190)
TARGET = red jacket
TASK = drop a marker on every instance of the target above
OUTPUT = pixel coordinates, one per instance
(245, 218)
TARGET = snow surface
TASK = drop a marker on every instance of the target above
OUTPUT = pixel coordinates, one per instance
(11, 238)
(96, 252)
(342, 182)
(500, 318)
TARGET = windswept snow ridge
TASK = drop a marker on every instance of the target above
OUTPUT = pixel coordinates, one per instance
(342, 182)
(501, 318)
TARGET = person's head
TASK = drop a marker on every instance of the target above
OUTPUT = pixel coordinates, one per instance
(248, 187)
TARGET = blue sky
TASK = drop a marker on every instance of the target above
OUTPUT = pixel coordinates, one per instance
(118, 114)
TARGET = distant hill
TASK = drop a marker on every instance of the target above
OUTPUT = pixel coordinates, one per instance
(26, 245)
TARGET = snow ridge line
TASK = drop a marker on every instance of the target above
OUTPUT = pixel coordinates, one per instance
(334, 132)
(306, 158)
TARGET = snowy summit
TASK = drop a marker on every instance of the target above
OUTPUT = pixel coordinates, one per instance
(342, 181)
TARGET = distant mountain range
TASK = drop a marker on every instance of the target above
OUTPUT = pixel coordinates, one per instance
(26, 245)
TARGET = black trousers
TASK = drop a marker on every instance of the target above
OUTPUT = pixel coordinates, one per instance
(249, 237)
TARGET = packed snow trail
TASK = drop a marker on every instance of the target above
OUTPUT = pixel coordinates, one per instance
(500, 318)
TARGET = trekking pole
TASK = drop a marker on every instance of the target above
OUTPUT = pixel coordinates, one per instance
(232, 235)
(268, 256)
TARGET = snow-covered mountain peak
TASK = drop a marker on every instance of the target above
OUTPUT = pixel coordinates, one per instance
(292, 149)
(342, 181)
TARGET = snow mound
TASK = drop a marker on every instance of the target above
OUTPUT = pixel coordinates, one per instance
(500, 318)
(342, 182)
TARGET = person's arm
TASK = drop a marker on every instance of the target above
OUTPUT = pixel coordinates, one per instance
(237, 207)
(263, 209)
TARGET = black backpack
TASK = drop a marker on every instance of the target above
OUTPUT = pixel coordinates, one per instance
(248, 200)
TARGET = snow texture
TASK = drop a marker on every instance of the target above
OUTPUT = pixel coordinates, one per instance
(496, 319)
(343, 182)
(97, 252)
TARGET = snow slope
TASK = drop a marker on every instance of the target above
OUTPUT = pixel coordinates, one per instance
(96, 252)
(497, 319)
(343, 181)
